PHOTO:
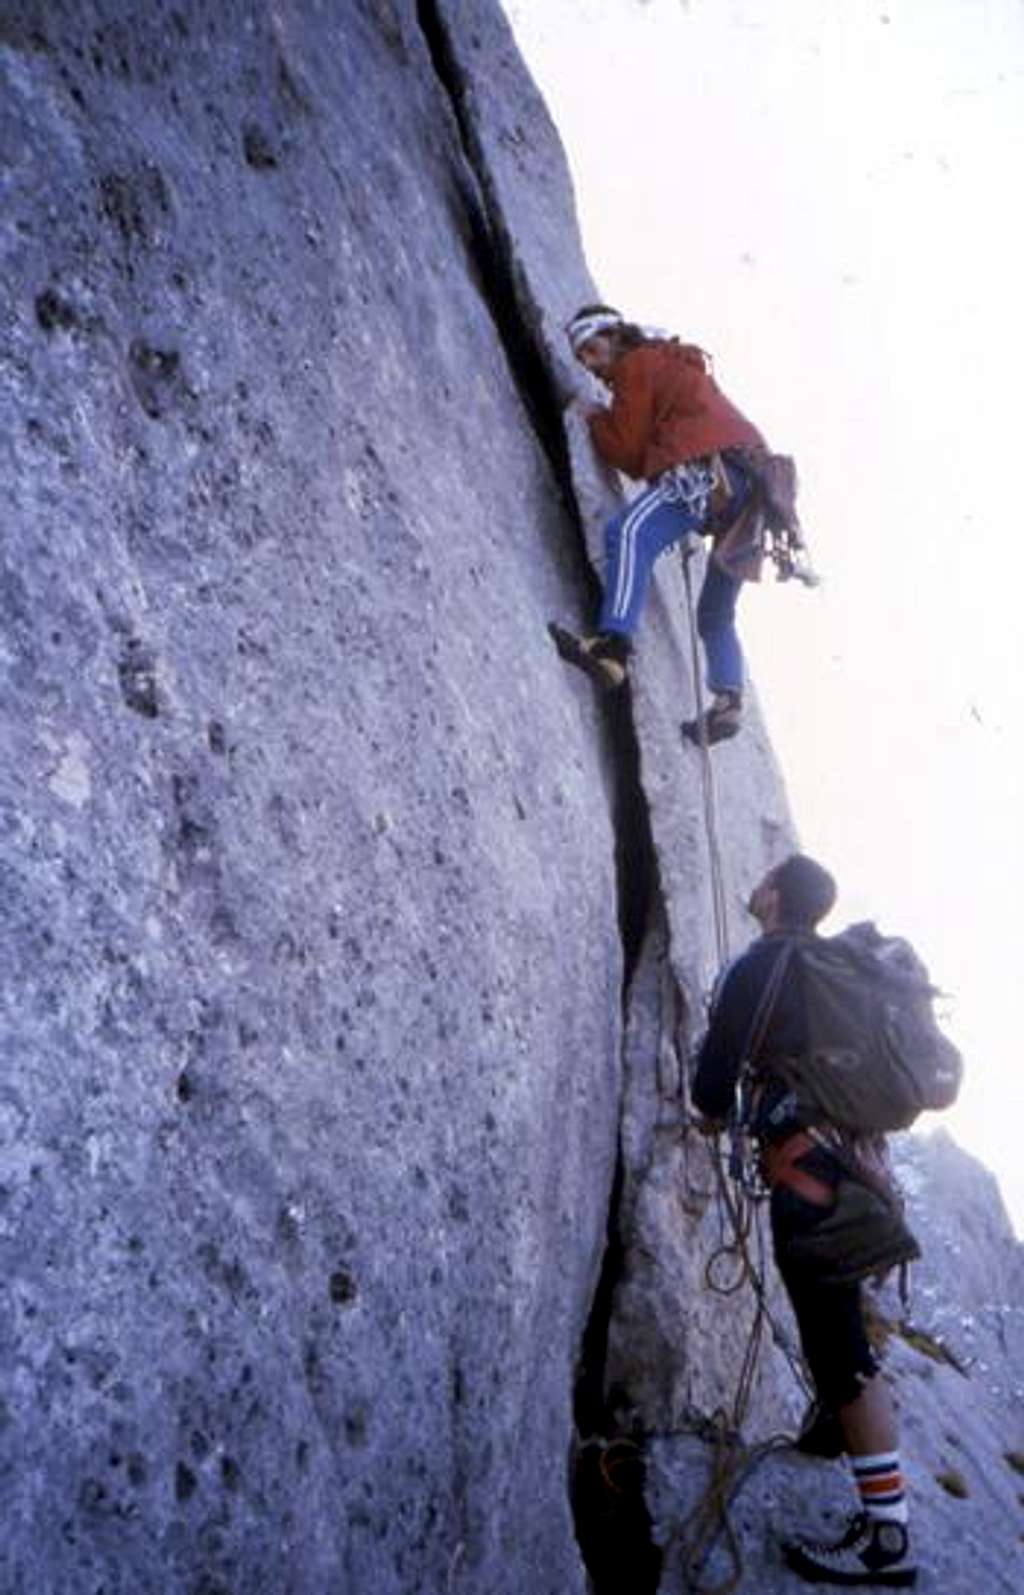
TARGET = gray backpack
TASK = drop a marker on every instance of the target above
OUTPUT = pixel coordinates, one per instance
(876, 1057)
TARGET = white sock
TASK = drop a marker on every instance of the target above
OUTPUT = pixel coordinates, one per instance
(879, 1481)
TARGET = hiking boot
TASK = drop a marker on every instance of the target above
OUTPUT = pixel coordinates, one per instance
(873, 1551)
(821, 1434)
(603, 657)
(721, 721)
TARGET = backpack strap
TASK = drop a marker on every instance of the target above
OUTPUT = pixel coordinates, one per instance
(766, 1006)
(759, 1027)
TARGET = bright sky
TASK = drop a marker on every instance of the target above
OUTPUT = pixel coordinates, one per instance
(826, 194)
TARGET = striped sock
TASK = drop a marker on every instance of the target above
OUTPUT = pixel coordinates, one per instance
(879, 1482)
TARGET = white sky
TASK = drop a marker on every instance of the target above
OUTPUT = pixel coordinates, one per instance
(827, 195)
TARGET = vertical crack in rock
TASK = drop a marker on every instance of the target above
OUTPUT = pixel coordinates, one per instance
(613, 1526)
(523, 348)
(530, 366)
(635, 861)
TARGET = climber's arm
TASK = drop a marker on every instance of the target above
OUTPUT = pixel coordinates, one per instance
(721, 1053)
(622, 431)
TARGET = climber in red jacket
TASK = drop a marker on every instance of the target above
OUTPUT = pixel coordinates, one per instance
(670, 425)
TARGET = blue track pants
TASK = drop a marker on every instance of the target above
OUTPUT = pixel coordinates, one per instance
(634, 538)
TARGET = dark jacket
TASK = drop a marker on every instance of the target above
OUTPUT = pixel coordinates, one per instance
(730, 1035)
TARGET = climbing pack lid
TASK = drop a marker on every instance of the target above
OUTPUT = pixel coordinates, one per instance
(876, 1057)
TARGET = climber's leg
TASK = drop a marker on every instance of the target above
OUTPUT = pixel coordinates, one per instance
(716, 612)
(716, 623)
(874, 1547)
(633, 540)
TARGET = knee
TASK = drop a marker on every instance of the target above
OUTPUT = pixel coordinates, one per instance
(613, 531)
(841, 1383)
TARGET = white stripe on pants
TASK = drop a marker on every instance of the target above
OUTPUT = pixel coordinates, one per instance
(649, 501)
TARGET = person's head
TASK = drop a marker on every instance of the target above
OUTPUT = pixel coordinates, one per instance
(598, 335)
(795, 895)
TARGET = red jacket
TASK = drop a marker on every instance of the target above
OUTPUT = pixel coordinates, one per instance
(666, 408)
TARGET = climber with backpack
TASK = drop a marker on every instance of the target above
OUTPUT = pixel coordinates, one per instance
(707, 470)
(816, 1047)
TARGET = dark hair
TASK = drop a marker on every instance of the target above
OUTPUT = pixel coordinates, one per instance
(806, 890)
(626, 335)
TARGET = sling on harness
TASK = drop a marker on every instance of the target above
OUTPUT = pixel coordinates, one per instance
(766, 523)
(780, 1165)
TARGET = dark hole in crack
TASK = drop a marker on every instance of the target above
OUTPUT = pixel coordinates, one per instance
(635, 866)
(590, 1407)
(613, 1525)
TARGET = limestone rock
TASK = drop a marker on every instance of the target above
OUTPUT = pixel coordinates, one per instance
(352, 951)
(311, 965)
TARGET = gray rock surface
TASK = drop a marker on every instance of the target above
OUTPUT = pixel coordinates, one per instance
(311, 965)
(351, 950)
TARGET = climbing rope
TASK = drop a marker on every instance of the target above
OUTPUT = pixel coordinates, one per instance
(732, 1467)
(731, 1265)
(740, 1206)
(718, 903)
(732, 1462)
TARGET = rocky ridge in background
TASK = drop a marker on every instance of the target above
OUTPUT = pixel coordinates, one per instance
(352, 951)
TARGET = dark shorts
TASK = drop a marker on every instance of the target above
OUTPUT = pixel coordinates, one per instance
(830, 1318)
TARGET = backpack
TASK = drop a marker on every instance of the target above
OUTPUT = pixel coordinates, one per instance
(875, 1056)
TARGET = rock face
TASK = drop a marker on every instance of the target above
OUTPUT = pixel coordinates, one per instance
(351, 951)
(311, 960)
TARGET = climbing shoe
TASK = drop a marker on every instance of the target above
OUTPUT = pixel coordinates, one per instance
(873, 1551)
(603, 657)
(721, 721)
(821, 1434)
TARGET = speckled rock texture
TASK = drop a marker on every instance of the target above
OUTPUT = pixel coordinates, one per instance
(351, 950)
(311, 964)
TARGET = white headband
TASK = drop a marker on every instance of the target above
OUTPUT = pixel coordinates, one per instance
(585, 327)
